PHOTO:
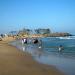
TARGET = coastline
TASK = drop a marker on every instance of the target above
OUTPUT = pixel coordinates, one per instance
(16, 62)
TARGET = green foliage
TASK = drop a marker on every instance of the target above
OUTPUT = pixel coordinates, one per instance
(42, 31)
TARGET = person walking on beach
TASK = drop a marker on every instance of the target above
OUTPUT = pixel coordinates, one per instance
(24, 40)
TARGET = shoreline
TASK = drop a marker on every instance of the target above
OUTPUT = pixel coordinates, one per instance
(15, 62)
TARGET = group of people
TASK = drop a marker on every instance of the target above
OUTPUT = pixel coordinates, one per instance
(36, 41)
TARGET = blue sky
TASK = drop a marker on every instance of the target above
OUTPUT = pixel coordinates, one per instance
(58, 15)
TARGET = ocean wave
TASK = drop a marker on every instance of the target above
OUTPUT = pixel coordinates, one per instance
(66, 37)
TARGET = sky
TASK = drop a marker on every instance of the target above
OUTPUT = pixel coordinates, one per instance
(58, 15)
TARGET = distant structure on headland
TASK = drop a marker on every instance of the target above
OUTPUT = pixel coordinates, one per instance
(38, 33)
(58, 34)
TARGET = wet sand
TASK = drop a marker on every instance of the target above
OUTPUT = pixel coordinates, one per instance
(16, 62)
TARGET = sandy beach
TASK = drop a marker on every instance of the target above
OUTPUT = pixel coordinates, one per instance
(16, 62)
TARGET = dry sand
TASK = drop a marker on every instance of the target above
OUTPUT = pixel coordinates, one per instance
(16, 62)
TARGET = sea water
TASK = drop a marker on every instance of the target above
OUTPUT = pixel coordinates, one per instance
(64, 60)
(49, 52)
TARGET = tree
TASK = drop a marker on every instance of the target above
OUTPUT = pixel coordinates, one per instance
(13, 32)
(24, 32)
(42, 31)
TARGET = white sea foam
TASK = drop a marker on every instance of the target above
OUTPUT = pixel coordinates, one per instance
(66, 37)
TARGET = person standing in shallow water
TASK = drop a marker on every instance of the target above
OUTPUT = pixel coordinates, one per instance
(40, 43)
(60, 48)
